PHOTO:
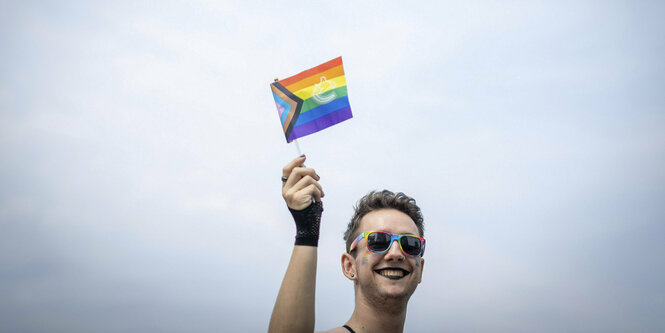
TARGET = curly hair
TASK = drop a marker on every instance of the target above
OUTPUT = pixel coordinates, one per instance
(385, 199)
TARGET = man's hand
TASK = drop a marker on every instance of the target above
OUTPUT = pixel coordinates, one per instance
(301, 185)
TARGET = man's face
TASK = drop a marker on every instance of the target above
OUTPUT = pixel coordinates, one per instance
(391, 274)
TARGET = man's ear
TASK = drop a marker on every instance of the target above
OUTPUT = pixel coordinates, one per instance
(349, 266)
(422, 267)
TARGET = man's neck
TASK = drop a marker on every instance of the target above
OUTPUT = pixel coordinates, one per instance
(378, 316)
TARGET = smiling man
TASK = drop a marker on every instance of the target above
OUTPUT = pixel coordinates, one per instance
(383, 258)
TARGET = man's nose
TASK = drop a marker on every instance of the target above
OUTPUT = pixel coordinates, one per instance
(394, 252)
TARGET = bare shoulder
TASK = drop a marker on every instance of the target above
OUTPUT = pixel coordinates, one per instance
(336, 330)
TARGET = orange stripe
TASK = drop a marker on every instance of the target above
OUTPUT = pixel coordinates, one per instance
(316, 78)
(312, 71)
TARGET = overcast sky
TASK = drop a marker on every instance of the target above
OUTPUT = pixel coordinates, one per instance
(141, 150)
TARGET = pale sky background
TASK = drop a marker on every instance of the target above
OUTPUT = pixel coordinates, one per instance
(140, 156)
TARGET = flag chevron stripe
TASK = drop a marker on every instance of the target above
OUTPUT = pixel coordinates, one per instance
(282, 98)
(304, 74)
(316, 78)
(294, 101)
(311, 103)
(285, 105)
(308, 92)
(322, 110)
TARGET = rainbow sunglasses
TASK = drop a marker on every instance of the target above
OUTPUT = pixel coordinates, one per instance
(381, 241)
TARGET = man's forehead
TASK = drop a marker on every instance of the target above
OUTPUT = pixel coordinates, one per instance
(390, 220)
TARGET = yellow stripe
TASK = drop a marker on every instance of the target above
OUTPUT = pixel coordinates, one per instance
(307, 92)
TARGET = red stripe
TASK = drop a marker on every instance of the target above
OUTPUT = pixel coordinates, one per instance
(312, 71)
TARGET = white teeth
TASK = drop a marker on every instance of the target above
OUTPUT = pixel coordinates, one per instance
(392, 272)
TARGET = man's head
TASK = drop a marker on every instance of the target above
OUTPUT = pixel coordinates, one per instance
(390, 276)
(383, 200)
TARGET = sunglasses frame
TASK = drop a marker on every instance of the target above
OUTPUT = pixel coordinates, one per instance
(393, 238)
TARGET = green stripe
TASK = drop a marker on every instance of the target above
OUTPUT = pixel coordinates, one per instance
(310, 103)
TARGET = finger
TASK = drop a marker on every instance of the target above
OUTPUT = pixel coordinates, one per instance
(305, 182)
(298, 161)
(299, 173)
(302, 197)
(288, 170)
(301, 193)
(313, 191)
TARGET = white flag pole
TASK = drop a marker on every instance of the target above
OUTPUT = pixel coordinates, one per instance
(297, 147)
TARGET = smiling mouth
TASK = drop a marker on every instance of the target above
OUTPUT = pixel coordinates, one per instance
(392, 273)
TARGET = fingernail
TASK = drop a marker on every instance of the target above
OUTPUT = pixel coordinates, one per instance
(303, 155)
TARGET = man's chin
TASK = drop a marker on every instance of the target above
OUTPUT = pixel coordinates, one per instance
(388, 292)
(395, 290)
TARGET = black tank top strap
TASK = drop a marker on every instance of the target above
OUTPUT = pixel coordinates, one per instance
(349, 328)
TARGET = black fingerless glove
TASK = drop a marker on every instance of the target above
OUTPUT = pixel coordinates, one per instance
(308, 221)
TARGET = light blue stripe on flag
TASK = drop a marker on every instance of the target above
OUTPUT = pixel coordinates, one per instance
(285, 105)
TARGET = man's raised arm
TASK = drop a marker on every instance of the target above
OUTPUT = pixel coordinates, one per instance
(294, 308)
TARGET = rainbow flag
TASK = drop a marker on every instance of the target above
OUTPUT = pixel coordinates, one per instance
(312, 100)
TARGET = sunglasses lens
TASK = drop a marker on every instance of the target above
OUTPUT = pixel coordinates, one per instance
(378, 241)
(411, 245)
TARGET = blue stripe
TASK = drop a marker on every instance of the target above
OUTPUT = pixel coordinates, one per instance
(287, 107)
(322, 110)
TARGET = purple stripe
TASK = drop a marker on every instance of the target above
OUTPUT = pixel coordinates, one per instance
(321, 123)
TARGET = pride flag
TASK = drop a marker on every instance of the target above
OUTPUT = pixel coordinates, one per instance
(312, 100)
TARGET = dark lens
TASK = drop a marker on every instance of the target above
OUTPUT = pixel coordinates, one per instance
(378, 241)
(411, 245)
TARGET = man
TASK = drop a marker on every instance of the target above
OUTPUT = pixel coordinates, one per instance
(384, 248)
